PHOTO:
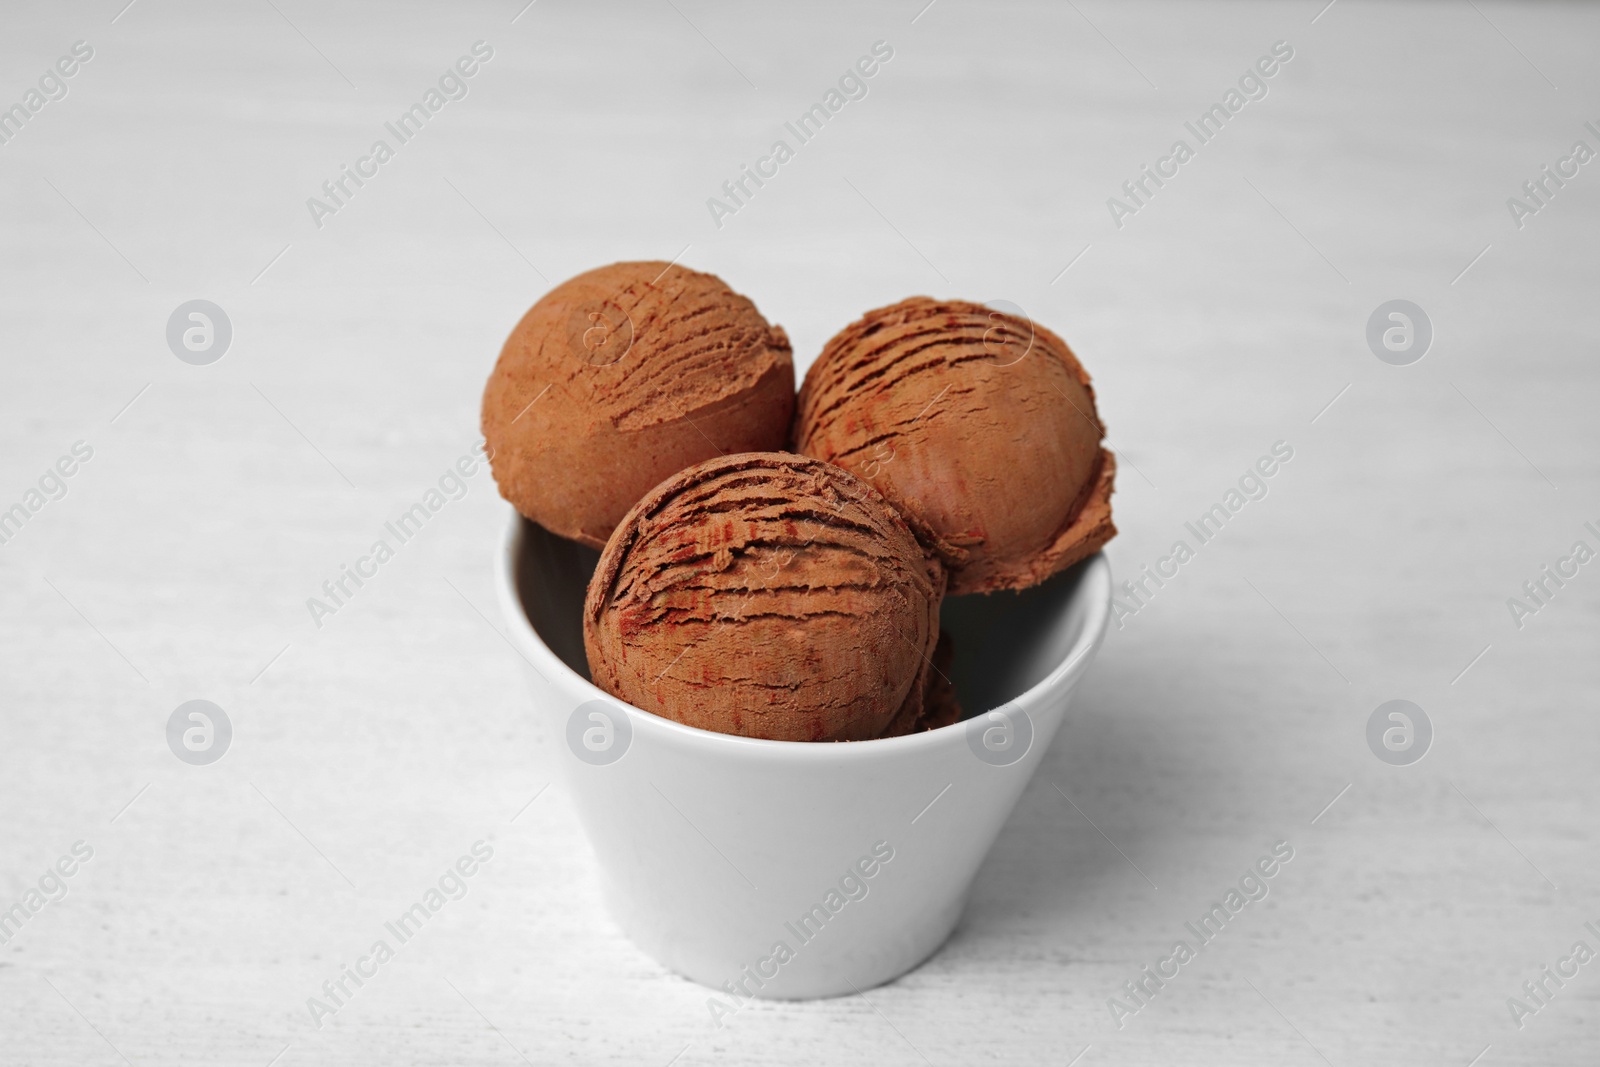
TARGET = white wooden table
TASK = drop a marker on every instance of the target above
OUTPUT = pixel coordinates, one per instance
(1228, 313)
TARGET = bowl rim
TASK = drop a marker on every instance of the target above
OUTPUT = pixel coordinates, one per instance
(1093, 592)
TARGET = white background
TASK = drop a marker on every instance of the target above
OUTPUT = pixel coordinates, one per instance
(1225, 316)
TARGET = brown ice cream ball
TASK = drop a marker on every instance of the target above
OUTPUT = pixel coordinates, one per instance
(767, 595)
(622, 376)
(979, 426)
(940, 704)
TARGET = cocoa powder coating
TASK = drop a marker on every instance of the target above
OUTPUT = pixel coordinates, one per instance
(767, 595)
(978, 426)
(619, 378)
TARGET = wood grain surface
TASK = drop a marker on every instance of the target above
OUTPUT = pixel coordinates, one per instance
(373, 746)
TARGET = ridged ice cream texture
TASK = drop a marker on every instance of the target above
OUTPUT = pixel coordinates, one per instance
(979, 426)
(619, 378)
(767, 595)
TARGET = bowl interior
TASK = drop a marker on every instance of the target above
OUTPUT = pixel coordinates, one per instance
(552, 576)
(1005, 643)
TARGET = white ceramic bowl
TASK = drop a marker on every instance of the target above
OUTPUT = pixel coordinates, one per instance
(787, 869)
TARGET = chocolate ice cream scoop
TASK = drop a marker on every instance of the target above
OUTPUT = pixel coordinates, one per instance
(768, 595)
(940, 704)
(621, 377)
(978, 426)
